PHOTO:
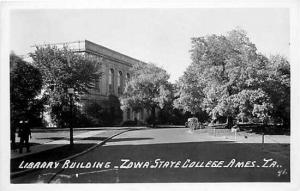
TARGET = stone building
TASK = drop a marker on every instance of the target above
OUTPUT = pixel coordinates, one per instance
(115, 73)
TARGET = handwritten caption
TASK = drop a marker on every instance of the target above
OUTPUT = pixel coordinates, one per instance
(156, 163)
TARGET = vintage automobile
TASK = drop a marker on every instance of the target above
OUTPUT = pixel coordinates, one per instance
(193, 123)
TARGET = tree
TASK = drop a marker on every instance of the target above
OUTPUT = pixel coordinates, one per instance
(96, 115)
(228, 78)
(277, 86)
(148, 88)
(25, 85)
(189, 91)
(62, 69)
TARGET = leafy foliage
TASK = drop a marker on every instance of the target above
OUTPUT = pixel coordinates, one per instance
(277, 86)
(96, 115)
(62, 69)
(148, 88)
(25, 85)
(228, 77)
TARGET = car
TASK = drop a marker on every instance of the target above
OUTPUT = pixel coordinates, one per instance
(193, 123)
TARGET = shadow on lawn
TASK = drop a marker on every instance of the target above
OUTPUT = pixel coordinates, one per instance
(83, 129)
(31, 144)
(116, 139)
(52, 138)
(49, 155)
(195, 151)
(95, 139)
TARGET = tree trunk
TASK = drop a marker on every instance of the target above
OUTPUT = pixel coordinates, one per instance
(153, 116)
(286, 123)
(229, 122)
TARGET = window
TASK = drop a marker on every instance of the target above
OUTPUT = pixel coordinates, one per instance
(111, 80)
(97, 84)
(97, 80)
(120, 83)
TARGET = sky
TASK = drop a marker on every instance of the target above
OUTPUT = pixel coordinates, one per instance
(159, 36)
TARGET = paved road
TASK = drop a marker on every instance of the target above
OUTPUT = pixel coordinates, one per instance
(169, 155)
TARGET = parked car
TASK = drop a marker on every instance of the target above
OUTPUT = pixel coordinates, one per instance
(193, 123)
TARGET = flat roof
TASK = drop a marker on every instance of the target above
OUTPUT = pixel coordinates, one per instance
(94, 48)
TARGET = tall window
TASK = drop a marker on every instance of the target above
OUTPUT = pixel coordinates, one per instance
(97, 84)
(120, 82)
(111, 81)
(97, 80)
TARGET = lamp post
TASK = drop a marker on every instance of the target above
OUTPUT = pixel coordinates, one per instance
(71, 93)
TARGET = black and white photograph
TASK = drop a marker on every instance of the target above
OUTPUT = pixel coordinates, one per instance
(158, 94)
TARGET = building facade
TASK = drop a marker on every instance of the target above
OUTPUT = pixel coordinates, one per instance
(115, 69)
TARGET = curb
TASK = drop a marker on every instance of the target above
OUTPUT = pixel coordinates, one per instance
(100, 143)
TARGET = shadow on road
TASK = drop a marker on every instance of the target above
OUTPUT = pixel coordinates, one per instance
(194, 151)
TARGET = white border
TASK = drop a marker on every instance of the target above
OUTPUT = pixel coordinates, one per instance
(6, 7)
